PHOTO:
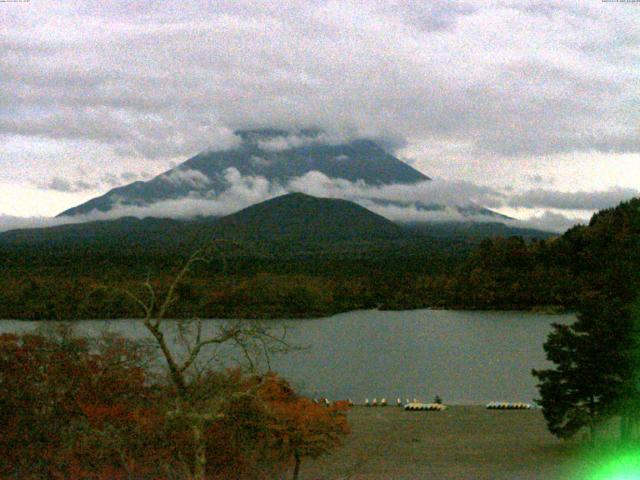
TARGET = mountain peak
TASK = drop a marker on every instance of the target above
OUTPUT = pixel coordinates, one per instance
(301, 217)
(276, 155)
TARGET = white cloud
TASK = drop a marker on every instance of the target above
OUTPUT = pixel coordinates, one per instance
(433, 192)
(285, 142)
(186, 177)
(539, 208)
(243, 191)
(397, 202)
(411, 213)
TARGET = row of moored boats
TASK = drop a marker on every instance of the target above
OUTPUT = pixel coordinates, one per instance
(437, 405)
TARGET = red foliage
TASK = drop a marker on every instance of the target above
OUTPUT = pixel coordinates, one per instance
(64, 407)
(300, 426)
(71, 410)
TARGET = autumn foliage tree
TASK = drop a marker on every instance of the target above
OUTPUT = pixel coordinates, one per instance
(70, 409)
(75, 409)
(298, 426)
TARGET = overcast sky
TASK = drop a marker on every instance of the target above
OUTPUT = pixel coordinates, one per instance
(538, 102)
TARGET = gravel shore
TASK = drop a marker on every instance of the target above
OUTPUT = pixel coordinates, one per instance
(462, 442)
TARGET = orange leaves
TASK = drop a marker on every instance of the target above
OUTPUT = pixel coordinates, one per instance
(300, 426)
(70, 409)
(57, 393)
(98, 415)
(266, 425)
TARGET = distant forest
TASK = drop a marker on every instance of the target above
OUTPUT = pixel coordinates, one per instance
(89, 278)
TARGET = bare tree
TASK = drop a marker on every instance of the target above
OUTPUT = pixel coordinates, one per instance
(253, 340)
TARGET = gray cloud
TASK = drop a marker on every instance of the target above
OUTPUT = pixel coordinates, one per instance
(194, 179)
(553, 222)
(538, 179)
(60, 184)
(11, 222)
(102, 182)
(132, 176)
(140, 87)
(506, 78)
(257, 161)
(542, 198)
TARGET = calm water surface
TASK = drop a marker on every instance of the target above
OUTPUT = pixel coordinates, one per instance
(465, 357)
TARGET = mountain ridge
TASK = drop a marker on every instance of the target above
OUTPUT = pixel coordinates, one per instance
(295, 217)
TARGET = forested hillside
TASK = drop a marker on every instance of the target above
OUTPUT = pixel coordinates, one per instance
(79, 272)
(509, 273)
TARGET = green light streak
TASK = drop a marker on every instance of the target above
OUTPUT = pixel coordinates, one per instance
(619, 466)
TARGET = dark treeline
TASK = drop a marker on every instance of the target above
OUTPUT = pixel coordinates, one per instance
(266, 279)
(596, 375)
(281, 278)
(600, 257)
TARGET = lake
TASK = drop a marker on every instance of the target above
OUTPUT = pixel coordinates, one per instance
(464, 357)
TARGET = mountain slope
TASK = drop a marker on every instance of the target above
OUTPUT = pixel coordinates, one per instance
(296, 218)
(303, 218)
(273, 154)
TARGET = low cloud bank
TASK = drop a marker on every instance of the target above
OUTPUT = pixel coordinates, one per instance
(543, 198)
(405, 203)
(433, 192)
(436, 200)
(10, 222)
(107, 180)
(552, 222)
(396, 202)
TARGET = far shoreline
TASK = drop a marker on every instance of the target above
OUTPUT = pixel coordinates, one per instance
(541, 310)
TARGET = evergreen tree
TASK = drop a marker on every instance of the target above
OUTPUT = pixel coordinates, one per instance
(590, 381)
(628, 401)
